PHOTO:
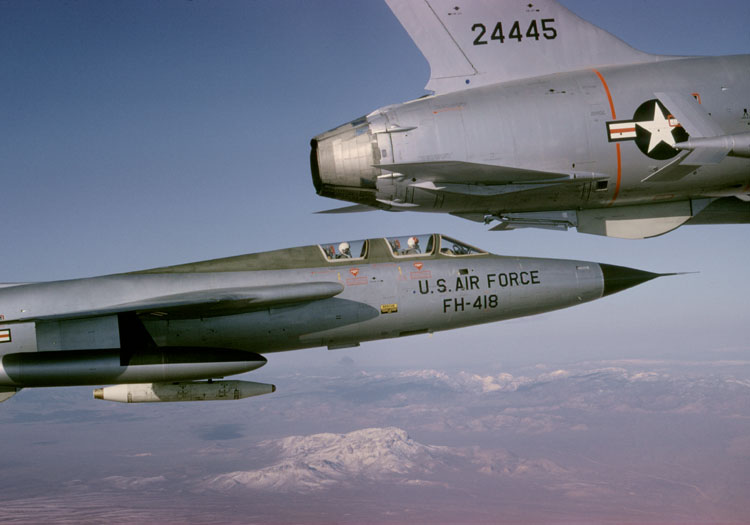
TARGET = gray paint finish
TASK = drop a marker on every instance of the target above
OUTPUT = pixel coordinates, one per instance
(571, 120)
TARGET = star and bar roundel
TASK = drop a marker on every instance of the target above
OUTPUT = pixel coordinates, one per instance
(653, 128)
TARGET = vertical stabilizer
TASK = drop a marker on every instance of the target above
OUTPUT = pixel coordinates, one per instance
(470, 43)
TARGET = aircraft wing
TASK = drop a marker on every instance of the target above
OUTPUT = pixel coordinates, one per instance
(206, 303)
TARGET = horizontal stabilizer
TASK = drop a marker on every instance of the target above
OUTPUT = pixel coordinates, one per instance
(478, 42)
(207, 303)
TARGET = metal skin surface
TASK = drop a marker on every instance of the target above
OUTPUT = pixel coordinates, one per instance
(647, 131)
(141, 327)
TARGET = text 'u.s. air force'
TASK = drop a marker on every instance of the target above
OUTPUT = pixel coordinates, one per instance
(468, 283)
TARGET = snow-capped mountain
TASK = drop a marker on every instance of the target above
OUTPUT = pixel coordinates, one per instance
(320, 461)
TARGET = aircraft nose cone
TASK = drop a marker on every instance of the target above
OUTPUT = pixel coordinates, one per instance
(619, 278)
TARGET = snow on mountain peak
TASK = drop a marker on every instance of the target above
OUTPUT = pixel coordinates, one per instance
(318, 461)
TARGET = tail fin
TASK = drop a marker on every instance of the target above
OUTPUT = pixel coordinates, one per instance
(470, 43)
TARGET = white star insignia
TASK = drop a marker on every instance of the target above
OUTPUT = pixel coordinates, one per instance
(659, 129)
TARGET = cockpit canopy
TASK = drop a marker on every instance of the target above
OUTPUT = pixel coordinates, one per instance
(342, 253)
(401, 246)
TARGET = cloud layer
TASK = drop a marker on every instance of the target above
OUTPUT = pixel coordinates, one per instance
(582, 441)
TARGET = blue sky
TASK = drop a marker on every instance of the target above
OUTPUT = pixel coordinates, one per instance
(140, 134)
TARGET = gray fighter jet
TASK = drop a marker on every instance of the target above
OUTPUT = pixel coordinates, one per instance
(156, 333)
(541, 119)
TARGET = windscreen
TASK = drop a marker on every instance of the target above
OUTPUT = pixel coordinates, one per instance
(450, 246)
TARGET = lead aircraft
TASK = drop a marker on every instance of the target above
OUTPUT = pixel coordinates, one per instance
(173, 333)
(541, 119)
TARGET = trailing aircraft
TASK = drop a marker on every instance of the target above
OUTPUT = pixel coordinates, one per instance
(541, 119)
(173, 333)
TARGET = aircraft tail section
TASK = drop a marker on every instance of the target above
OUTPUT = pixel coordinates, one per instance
(470, 43)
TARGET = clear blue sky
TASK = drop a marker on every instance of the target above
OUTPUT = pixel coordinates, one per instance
(137, 134)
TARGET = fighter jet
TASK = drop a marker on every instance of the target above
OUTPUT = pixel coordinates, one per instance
(541, 119)
(173, 333)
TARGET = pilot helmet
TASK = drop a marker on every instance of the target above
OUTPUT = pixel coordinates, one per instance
(413, 241)
(344, 247)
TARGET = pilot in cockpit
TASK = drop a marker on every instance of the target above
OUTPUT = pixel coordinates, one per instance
(414, 247)
(344, 251)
